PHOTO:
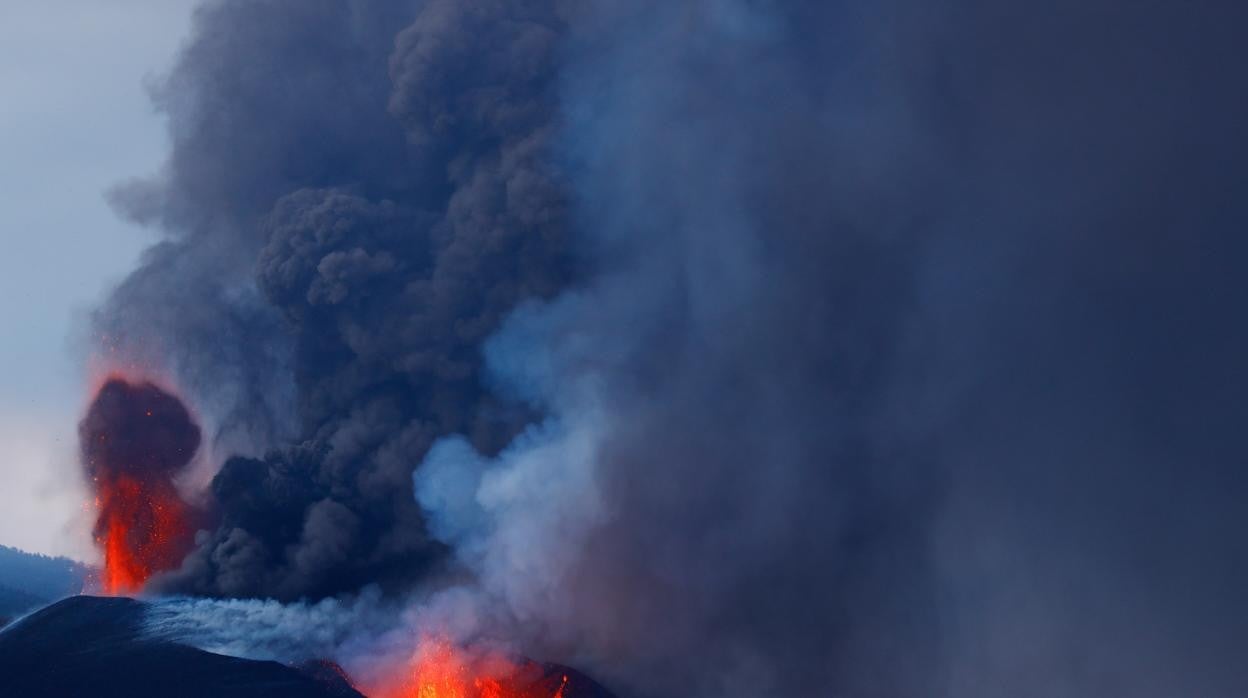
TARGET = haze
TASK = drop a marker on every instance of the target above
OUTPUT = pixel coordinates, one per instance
(74, 118)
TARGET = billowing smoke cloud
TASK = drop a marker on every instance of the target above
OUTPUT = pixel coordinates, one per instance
(350, 239)
(733, 348)
(907, 366)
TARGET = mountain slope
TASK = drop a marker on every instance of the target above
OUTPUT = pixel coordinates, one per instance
(90, 646)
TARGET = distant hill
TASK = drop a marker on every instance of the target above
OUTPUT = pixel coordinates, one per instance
(14, 603)
(28, 580)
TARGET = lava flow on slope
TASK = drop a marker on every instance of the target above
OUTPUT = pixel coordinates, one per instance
(135, 438)
(439, 669)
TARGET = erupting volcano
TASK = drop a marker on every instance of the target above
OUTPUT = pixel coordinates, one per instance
(441, 670)
(134, 439)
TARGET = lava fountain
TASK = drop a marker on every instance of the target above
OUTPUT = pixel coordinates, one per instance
(439, 669)
(135, 438)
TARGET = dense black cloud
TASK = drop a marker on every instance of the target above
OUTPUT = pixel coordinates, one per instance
(356, 197)
(882, 350)
(137, 430)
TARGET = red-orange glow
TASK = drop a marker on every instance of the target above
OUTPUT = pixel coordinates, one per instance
(135, 438)
(142, 528)
(441, 670)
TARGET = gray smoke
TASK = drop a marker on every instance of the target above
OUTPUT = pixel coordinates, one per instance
(906, 367)
(734, 347)
(373, 637)
(269, 630)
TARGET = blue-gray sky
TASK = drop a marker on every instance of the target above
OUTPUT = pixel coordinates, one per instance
(74, 119)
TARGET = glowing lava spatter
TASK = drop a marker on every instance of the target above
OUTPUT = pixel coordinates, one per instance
(440, 670)
(142, 528)
(135, 439)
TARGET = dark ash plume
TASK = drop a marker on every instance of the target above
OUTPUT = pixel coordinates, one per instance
(339, 249)
(735, 347)
(136, 430)
(908, 366)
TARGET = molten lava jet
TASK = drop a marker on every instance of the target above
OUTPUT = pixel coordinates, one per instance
(441, 670)
(134, 439)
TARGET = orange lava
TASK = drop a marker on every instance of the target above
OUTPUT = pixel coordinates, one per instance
(441, 670)
(143, 528)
